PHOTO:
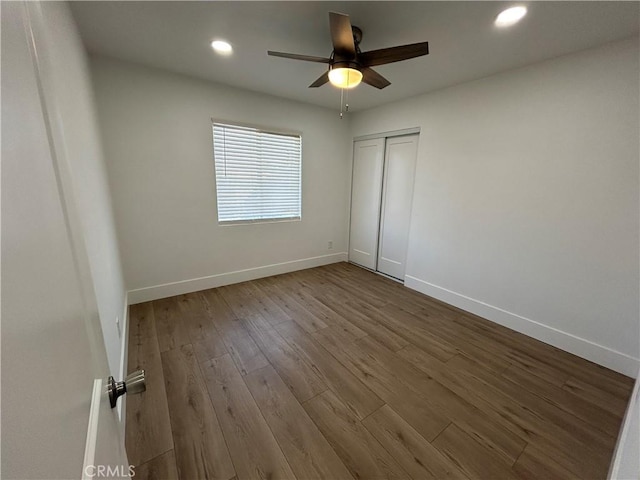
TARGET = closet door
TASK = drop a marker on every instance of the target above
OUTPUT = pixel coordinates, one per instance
(399, 170)
(366, 190)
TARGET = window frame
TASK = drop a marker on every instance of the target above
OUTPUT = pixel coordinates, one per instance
(265, 129)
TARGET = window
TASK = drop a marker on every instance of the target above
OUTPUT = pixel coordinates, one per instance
(257, 174)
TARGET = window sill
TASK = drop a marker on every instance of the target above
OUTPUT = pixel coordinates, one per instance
(258, 222)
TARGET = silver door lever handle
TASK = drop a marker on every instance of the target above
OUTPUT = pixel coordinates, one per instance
(134, 383)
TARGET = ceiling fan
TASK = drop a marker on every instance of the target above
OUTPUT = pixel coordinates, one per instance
(348, 66)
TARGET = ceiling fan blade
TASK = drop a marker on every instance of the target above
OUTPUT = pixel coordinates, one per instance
(373, 78)
(341, 34)
(393, 54)
(324, 78)
(295, 56)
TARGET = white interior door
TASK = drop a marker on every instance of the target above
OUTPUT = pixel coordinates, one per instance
(52, 346)
(399, 170)
(366, 189)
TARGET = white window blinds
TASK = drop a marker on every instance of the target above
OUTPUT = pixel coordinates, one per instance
(257, 174)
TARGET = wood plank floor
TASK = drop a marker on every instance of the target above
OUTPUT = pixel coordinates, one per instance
(339, 373)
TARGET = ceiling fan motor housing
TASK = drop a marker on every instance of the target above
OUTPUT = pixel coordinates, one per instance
(345, 64)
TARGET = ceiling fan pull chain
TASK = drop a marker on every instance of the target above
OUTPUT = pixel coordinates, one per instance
(346, 102)
(341, 101)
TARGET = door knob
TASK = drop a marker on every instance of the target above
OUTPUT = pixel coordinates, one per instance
(134, 383)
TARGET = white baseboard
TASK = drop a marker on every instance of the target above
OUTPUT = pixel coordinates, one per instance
(581, 347)
(213, 281)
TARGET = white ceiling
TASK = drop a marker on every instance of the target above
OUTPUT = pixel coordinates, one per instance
(463, 41)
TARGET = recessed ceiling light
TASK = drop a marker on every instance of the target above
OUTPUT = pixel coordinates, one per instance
(222, 47)
(510, 16)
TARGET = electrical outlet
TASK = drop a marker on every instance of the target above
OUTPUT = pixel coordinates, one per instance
(118, 325)
(330, 245)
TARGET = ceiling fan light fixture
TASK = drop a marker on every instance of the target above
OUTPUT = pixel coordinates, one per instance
(345, 77)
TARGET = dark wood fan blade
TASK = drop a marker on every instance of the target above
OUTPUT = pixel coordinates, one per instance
(341, 34)
(373, 78)
(320, 81)
(393, 54)
(295, 56)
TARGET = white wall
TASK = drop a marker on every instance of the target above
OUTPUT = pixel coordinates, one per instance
(158, 141)
(525, 206)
